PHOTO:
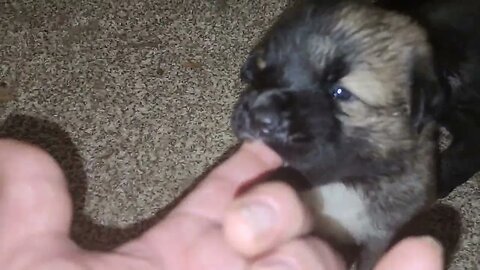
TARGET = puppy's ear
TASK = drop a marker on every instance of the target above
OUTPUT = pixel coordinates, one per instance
(253, 66)
(259, 72)
(427, 95)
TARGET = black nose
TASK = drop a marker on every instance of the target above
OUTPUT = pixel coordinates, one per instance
(265, 119)
(266, 112)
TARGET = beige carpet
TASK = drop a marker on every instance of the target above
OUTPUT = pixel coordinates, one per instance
(134, 97)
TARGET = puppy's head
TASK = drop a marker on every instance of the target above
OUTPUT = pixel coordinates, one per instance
(336, 83)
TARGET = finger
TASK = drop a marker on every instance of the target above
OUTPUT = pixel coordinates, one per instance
(33, 194)
(301, 254)
(419, 253)
(266, 216)
(215, 193)
(205, 206)
(212, 253)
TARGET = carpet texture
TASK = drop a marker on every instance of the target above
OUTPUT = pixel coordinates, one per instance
(133, 99)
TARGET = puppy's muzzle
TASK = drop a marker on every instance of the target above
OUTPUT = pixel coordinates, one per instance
(262, 115)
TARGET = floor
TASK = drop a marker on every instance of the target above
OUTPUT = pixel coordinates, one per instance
(133, 98)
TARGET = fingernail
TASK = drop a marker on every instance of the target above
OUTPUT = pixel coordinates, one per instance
(273, 264)
(434, 243)
(260, 217)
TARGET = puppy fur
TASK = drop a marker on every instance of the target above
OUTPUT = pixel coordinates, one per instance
(370, 154)
(454, 33)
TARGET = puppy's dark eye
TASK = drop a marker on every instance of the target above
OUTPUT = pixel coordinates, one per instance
(340, 93)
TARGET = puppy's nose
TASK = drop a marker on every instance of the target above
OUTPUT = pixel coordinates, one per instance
(265, 119)
(265, 112)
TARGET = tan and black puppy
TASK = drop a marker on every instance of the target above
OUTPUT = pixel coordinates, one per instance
(454, 34)
(346, 93)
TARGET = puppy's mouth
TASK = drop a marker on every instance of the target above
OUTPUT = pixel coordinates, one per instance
(265, 117)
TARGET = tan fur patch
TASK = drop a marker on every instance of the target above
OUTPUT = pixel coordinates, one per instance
(261, 63)
(386, 45)
(322, 48)
(368, 87)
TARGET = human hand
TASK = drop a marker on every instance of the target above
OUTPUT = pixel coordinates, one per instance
(210, 229)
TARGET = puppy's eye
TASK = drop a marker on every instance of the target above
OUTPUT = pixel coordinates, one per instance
(340, 93)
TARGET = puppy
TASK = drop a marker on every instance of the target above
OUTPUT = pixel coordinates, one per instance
(347, 94)
(454, 34)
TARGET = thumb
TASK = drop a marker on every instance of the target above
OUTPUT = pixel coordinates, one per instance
(34, 199)
(415, 253)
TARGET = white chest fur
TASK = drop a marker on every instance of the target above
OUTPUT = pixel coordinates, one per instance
(340, 212)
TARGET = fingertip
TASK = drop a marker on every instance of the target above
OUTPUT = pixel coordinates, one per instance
(264, 217)
(414, 253)
(250, 225)
(214, 194)
(21, 158)
(264, 152)
(34, 196)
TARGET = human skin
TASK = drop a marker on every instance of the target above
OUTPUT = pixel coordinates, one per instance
(264, 228)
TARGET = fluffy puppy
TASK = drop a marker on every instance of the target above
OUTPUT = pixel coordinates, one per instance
(346, 93)
(454, 33)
